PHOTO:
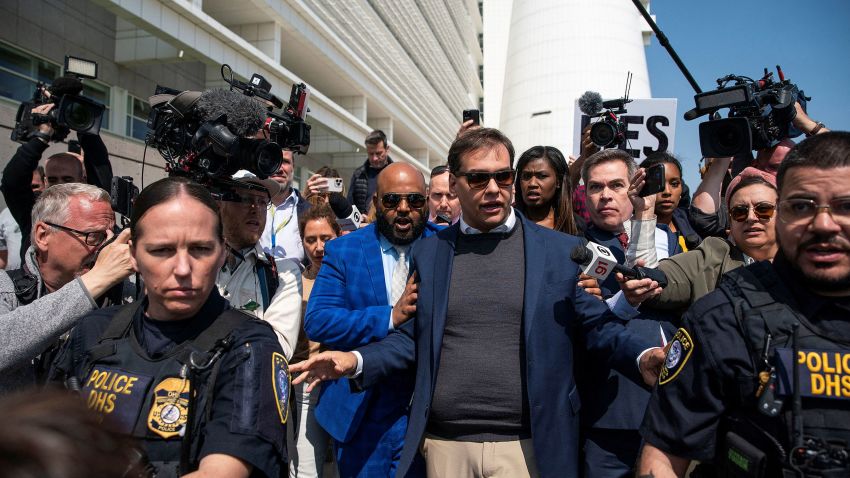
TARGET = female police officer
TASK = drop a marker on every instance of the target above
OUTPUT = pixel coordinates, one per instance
(199, 385)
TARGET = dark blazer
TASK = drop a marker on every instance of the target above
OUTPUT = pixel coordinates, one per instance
(618, 401)
(556, 314)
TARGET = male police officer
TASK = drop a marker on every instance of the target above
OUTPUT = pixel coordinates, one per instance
(728, 391)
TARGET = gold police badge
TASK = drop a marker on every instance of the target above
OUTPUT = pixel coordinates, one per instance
(170, 408)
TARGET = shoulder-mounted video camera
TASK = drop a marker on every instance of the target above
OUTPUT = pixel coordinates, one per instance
(72, 111)
(208, 149)
(760, 114)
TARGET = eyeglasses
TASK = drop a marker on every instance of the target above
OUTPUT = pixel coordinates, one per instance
(762, 210)
(804, 210)
(392, 200)
(257, 201)
(94, 238)
(480, 180)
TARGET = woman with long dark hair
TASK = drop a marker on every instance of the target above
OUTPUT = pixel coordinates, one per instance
(543, 192)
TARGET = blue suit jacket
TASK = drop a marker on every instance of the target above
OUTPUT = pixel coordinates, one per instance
(556, 314)
(347, 309)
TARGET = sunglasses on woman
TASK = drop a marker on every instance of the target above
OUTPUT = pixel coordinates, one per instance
(392, 200)
(763, 211)
(480, 180)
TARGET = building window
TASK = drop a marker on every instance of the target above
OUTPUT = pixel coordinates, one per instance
(20, 72)
(99, 92)
(137, 117)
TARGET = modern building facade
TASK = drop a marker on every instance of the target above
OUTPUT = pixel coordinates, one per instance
(541, 55)
(407, 67)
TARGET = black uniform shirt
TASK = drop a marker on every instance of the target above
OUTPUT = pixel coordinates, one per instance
(245, 421)
(685, 409)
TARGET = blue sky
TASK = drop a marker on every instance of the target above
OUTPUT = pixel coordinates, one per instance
(810, 40)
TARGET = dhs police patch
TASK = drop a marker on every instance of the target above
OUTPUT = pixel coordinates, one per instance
(280, 381)
(678, 352)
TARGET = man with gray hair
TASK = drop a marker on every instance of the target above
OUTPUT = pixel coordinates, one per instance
(64, 271)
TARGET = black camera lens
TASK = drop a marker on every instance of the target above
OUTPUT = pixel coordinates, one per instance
(268, 159)
(259, 156)
(603, 134)
(725, 137)
(78, 116)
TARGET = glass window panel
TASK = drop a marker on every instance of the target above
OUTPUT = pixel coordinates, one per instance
(47, 72)
(15, 61)
(15, 87)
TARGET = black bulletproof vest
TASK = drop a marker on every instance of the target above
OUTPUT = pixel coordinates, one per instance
(764, 306)
(158, 402)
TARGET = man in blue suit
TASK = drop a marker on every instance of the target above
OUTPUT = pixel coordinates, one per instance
(360, 295)
(498, 317)
(615, 405)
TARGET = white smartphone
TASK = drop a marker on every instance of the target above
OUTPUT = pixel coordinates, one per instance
(335, 185)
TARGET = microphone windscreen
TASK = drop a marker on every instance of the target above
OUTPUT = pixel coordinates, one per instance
(580, 255)
(590, 103)
(245, 115)
(340, 205)
(65, 85)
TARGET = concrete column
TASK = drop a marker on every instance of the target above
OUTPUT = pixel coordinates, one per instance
(355, 105)
(118, 109)
(265, 36)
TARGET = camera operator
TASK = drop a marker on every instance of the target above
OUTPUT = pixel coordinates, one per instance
(60, 279)
(708, 214)
(18, 173)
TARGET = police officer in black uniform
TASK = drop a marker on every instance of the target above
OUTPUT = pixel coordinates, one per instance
(757, 382)
(201, 386)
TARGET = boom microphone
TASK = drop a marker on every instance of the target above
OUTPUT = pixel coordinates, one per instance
(598, 262)
(245, 115)
(590, 103)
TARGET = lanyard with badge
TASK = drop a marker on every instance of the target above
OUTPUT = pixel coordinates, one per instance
(272, 209)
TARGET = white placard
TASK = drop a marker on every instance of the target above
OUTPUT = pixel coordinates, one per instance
(650, 126)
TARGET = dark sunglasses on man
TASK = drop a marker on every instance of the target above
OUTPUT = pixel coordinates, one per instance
(763, 211)
(392, 200)
(479, 179)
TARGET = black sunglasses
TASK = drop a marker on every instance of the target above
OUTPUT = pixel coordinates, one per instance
(762, 210)
(392, 200)
(94, 238)
(479, 180)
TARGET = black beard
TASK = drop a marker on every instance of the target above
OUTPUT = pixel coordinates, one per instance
(385, 228)
(816, 284)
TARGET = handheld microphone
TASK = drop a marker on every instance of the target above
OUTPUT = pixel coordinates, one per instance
(598, 262)
(347, 215)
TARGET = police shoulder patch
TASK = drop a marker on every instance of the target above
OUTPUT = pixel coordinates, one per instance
(280, 381)
(678, 352)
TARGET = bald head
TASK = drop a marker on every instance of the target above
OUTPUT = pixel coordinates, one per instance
(63, 168)
(400, 175)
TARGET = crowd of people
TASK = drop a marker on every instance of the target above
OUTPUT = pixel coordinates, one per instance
(431, 326)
